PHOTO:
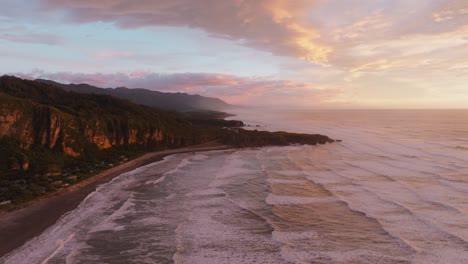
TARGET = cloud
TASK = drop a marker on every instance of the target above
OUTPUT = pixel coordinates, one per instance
(373, 35)
(353, 44)
(112, 54)
(423, 52)
(451, 10)
(22, 34)
(278, 26)
(360, 28)
(234, 89)
(323, 32)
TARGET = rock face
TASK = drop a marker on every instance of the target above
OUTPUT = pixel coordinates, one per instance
(12, 124)
(49, 127)
(32, 124)
(50, 121)
(50, 138)
(254, 138)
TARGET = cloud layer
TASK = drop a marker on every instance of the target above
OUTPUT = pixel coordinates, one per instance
(277, 26)
(24, 35)
(356, 36)
(364, 52)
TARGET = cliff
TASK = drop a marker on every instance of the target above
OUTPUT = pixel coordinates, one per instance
(51, 138)
(39, 114)
(253, 138)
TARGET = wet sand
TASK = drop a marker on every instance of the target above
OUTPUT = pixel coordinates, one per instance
(20, 225)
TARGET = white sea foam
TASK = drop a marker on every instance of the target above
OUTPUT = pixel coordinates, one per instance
(206, 192)
(154, 182)
(281, 199)
(153, 220)
(283, 181)
(109, 222)
(184, 163)
(285, 237)
(93, 212)
(60, 244)
(408, 177)
(393, 191)
(199, 157)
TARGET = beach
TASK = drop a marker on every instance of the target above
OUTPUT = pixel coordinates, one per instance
(31, 219)
(393, 191)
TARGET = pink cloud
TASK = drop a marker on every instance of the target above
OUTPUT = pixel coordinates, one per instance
(21, 34)
(277, 26)
(112, 54)
(313, 30)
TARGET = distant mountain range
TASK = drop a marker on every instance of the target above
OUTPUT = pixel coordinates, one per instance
(181, 102)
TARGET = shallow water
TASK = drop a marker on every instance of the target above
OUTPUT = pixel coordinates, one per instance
(394, 191)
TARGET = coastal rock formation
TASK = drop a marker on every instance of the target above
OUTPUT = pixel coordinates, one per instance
(44, 125)
(48, 121)
(51, 138)
(255, 138)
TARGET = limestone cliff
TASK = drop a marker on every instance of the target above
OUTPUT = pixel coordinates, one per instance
(50, 138)
(38, 120)
(38, 124)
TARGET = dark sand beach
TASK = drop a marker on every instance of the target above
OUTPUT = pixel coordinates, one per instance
(22, 224)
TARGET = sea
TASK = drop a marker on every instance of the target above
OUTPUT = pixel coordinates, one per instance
(395, 190)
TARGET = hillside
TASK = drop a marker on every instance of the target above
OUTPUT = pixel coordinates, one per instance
(51, 138)
(180, 102)
(48, 135)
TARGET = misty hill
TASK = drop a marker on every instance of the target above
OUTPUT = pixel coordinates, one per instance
(180, 102)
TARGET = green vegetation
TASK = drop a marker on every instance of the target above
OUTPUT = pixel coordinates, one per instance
(51, 138)
(253, 138)
(211, 118)
(181, 102)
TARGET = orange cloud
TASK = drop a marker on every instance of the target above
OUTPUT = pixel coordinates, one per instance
(365, 47)
(278, 26)
(457, 9)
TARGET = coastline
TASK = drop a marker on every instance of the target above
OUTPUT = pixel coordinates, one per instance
(30, 220)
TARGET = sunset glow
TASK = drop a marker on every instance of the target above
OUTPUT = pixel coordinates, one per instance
(304, 53)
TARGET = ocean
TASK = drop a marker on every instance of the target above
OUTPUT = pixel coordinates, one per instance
(395, 190)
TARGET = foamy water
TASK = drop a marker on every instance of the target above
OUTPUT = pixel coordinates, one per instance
(394, 191)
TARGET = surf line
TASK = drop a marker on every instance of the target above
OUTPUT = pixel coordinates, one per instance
(61, 244)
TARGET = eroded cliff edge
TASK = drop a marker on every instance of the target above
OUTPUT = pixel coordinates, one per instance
(51, 138)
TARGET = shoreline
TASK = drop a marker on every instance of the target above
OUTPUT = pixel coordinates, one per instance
(30, 220)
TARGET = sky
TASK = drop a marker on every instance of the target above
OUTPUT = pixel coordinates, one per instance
(299, 53)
